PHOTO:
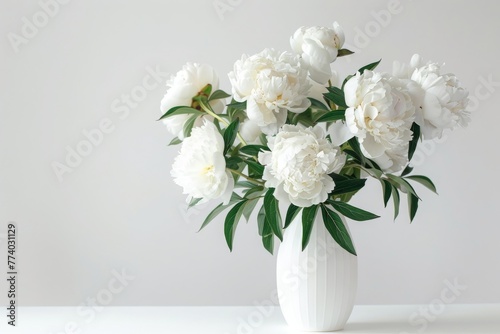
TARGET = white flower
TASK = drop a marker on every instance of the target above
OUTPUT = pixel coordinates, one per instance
(380, 114)
(272, 83)
(339, 133)
(393, 160)
(200, 167)
(299, 163)
(318, 47)
(439, 98)
(181, 89)
(250, 131)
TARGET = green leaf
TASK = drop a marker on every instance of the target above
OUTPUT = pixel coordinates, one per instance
(261, 220)
(255, 170)
(249, 207)
(175, 141)
(412, 206)
(352, 211)
(265, 230)
(263, 139)
(230, 134)
(336, 95)
(181, 110)
(235, 108)
(317, 114)
(354, 144)
(315, 104)
(356, 173)
(344, 52)
(337, 177)
(374, 166)
(407, 170)
(369, 67)
(244, 184)
(268, 237)
(231, 222)
(218, 94)
(273, 213)
(423, 180)
(337, 229)
(232, 162)
(194, 201)
(414, 141)
(387, 188)
(403, 184)
(217, 125)
(188, 126)
(353, 154)
(332, 116)
(268, 240)
(373, 170)
(257, 191)
(253, 150)
(173, 109)
(304, 118)
(396, 201)
(237, 105)
(308, 216)
(348, 186)
(219, 208)
(291, 213)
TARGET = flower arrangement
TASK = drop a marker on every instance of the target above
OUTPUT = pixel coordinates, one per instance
(290, 137)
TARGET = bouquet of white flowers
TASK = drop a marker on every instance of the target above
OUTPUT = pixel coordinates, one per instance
(275, 143)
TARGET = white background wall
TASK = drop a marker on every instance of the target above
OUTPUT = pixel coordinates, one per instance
(119, 207)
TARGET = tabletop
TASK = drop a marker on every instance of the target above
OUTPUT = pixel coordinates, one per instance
(258, 319)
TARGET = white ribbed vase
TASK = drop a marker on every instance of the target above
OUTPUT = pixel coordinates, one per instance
(317, 286)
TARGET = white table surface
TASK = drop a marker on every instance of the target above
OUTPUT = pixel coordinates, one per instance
(483, 318)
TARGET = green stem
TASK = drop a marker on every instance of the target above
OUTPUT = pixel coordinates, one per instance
(241, 139)
(214, 115)
(355, 165)
(249, 179)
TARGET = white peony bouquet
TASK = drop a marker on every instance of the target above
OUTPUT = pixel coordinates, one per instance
(289, 137)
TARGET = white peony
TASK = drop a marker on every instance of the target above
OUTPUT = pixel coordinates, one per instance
(272, 83)
(318, 48)
(380, 114)
(250, 132)
(181, 89)
(200, 167)
(339, 133)
(299, 163)
(439, 98)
